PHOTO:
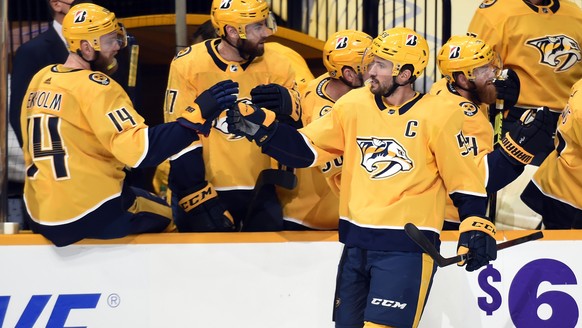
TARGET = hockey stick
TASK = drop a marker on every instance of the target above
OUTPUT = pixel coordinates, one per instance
(497, 121)
(421, 240)
(282, 178)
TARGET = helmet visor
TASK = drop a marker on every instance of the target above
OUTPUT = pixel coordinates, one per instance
(367, 59)
(117, 37)
(121, 36)
(271, 22)
(490, 71)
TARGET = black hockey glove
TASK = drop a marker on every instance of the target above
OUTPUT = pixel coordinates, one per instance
(246, 119)
(209, 103)
(202, 211)
(507, 86)
(531, 136)
(273, 97)
(478, 239)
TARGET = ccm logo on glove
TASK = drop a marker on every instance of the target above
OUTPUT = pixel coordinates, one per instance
(197, 198)
(486, 227)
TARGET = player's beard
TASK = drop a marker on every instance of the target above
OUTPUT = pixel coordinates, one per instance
(355, 84)
(103, 64)
(377, 88)
(487, 94)
(249, 49)
(481, 94)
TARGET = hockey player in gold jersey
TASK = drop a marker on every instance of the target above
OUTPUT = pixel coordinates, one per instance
(80, 130)
(303, 74)
(313, 203)
(540, 40)
(205, 32)
(401, 155)
(232, 165)
(555, 191)
(470, 67)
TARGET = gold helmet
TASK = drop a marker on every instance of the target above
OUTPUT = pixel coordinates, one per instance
(240, 13)
(87, 21)
(345, 48)
(401, 46)
(463, 53)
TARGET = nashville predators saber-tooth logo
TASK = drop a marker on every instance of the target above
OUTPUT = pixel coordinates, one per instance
(558, 51)
(383, 157)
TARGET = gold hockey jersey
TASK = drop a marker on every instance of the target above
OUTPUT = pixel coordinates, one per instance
(74, 148)
(541, 43)
(560, 174)
(321, 104)
(477, 131)
(231, 163)
(303, 74)
(312, 203)
(398, 164)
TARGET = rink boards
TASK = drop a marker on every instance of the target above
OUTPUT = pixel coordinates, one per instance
(283, 280)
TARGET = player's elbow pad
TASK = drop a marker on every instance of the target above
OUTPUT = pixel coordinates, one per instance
(289, 148)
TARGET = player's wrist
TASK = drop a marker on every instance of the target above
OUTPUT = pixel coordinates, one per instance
(265, 133)
(270, 117)
(477, 223)
(514, 152)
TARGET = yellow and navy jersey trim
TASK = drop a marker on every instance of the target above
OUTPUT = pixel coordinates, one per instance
(382, 238)
(211, 47)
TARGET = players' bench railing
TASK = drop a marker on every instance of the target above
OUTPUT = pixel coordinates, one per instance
(317, 18)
